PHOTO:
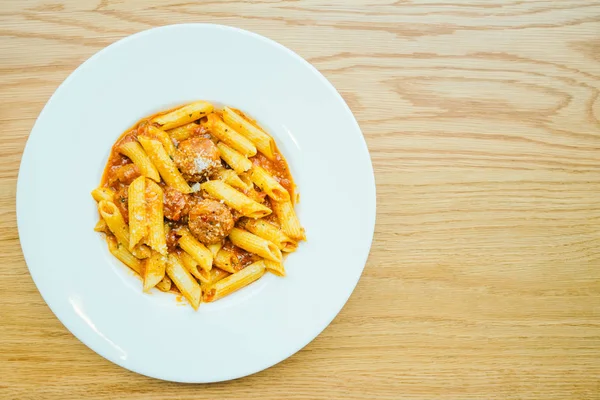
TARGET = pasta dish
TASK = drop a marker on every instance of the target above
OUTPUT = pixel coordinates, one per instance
(198, 201)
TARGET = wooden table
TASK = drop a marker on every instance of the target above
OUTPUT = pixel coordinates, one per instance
(482, 118)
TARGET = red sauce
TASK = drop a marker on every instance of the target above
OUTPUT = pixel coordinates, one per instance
(278, 168)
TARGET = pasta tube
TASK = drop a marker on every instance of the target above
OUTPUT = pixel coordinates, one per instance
(115, 222)
(274, 267)
(165, 283)
(235, 281)
(235, 199)
(103, 193)
(138, 223)
(232, 179)
(227, 261)
(195, 249)
(183, 115)
(166, 167)
(270, 232)
(191, 265)
(268, 184)
(264, 143)
(226, 134)
(163, 137)
(155, 270)
(156, 228)
(184, 281)
(238, 162)
(214, 248)
(288, 220)
(183, 132)
(255, 244)
(136, 153)
(122, 254)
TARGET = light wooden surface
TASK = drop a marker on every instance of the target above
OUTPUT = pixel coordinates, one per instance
(482, 118)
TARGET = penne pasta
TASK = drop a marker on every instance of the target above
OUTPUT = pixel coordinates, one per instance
(274, 267)
(138, 156)
(166, 167)
(115, 222)
(227, 261)
(263, 142)
(149, 207)
(244, 176)
(235, 281)
(288, 220)
(103, 193)
(155, 218)
(183, 115)
(138, 223)
(183, 132)
(214, 248)
(191, 265)
(255, 195)
(232, 179)
(195, 249)
(122, 254)
(184, 281)
(255, 244)
(236, 200)
(101, 226)
(163, 137)
(216, 274)
(165, 283)
(238, 162)
(270, 232)
(230, 137)
(154, 270)
(268, 184)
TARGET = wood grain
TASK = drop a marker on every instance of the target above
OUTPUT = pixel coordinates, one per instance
(482, 118)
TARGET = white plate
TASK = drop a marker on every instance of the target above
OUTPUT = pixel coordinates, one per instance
(96, 297)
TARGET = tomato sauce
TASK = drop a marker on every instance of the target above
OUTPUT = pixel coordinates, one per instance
(278, 168)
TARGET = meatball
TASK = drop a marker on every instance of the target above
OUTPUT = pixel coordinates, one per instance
(210, 221)
(197, 158)
(128, 173)
(175, 203)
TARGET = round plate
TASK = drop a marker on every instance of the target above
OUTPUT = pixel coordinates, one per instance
(98, 299)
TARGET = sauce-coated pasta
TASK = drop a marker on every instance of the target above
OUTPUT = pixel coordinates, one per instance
(193, 196)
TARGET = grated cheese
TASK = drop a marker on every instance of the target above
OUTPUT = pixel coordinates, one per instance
(200, 164)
